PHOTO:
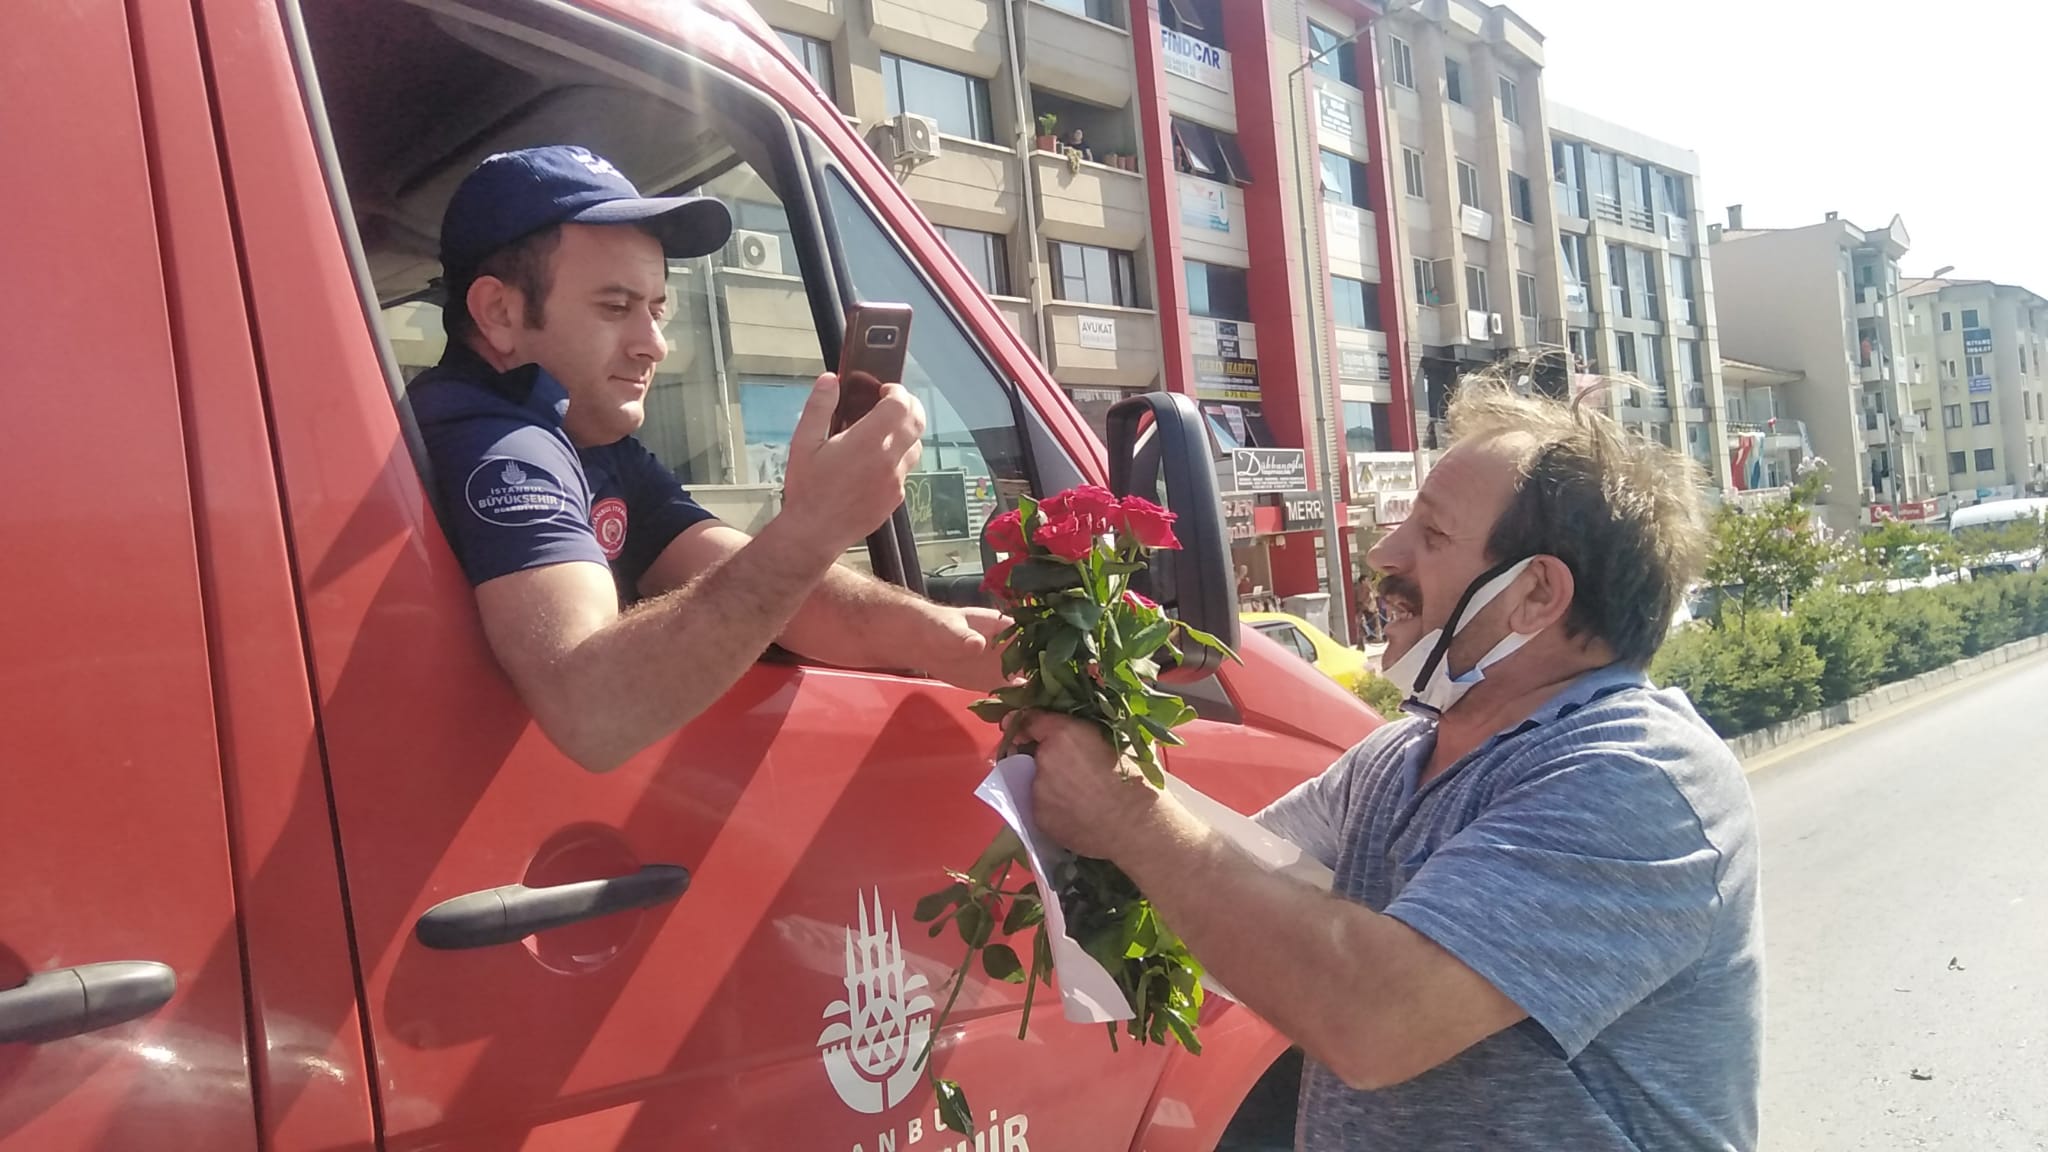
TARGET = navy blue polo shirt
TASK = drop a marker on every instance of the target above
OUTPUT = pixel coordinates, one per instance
(518, 494)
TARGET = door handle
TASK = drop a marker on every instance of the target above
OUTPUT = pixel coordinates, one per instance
(69, 1001)
(514, 912)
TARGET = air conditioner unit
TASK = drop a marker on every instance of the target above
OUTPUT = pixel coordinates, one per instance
(907, 139)
(755, 252)
(1493, 323)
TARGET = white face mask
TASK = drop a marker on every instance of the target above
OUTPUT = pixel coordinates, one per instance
(1423, 673)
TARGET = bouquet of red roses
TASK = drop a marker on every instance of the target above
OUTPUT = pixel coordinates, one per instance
(1086, 644)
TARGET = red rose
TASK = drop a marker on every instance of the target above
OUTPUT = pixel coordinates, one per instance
(996, 581)
(1137, 599)
(1006, 534)
(1095, 505)
(1148, 523)
(1068, 539)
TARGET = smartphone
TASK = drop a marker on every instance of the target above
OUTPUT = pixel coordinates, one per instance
(877, 341)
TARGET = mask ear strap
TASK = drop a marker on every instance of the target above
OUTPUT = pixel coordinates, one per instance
(1443, 644)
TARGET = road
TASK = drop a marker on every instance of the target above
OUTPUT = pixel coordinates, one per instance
(1905, 883)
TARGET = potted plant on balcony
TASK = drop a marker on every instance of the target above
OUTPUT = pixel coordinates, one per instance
(1048, 133)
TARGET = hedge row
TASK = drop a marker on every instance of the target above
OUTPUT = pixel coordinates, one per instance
(1745, 674)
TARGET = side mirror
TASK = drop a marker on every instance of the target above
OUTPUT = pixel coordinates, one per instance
(1159, 449)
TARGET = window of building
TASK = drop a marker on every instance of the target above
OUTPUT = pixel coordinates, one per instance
(1643, 275)
(1340, 65)
(1676, 201)
(1980, 412)
(1584, 356)
(1411, 172)
(986, 255)
(1368, 427)
(1958, 463)
(1948, 368)
(1454, 81)
(1969, 317)
(1689, 368)
(1987, 460)
(1102, 10)
(1201, 19)
(1404, 63)
(1354, 303)
(1521, 197)
(1425, 281)
(1653, 371)
(816, 58)
(1617, 275)
(1510, 101)
(1468, 185)
(1525, 295)
(1086, 274)
(1475, 289)
(1946, 324)
(1625, 356)
(1951, 415)
(959, 102)
(2027, 402)
(1217, 291)
(1206, 152)
(1573, 247)
(1346, 181)
(1926, 418)
(1974, 365)
(2023, 361)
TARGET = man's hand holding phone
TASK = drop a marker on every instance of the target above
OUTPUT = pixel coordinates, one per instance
(860, 434)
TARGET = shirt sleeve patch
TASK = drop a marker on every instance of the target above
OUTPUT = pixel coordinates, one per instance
(608, 520)
(502, 490)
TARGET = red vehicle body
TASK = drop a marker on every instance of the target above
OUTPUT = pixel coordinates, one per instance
(252, 732)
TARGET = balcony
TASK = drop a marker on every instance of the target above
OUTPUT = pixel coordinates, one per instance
(1641, 219)
(1198, 79)
(1870, 301)
(1090, 203)
(963, 35)
(1873, 370)
(1475, 222)
(1756, 499)
(1212, 222)
(1567, 201)
(1606, 208)
(1076, 56)
(1676, 229)
(975, 182)
(1100, 346)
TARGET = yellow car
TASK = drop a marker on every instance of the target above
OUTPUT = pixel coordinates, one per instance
(1347, 666)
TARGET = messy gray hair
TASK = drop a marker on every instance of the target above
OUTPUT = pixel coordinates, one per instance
(1622, 511)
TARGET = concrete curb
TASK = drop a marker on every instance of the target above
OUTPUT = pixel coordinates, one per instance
(1752, 744)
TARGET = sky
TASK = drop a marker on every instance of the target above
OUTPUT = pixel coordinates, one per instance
(1918, 109)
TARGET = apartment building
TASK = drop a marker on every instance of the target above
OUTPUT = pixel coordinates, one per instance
(1824, 300)
(1159, 194)
(1478, 244)
(1982, 391)
(1638, 295)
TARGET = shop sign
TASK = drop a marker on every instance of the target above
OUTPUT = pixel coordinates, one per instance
(1230, 378)
(1269, 469)
(1304, 511)
(1334, 112)
(1976, 341)
(1362, 364)
(1238, 514)
(1196, 60)
(1980, 384)
(1203, 205)
(1098, 332)
(1395, 506)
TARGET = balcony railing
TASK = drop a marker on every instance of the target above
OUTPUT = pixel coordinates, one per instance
(1683, 312)
(1567, 200)
(1676, 229)
(1606, 208)
(1641, 218)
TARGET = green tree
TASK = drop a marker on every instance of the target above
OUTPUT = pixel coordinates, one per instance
(1896, 548)
(1769, 555)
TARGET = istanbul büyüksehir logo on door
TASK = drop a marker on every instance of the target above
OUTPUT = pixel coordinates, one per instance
(878, 1032)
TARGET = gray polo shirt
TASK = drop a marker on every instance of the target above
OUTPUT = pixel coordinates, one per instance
(1598, 865)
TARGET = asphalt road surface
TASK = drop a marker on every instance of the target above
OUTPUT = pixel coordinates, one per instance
(1905, 886)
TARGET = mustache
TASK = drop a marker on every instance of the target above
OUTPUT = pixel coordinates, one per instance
(1401, 588)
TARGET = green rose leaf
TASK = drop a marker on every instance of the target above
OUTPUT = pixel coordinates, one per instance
(953, 1108)
(1036, 577)
(1083, 615)
(932, 906)
(1001, 963)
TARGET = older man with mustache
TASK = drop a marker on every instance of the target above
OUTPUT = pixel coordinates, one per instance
(1545, 930)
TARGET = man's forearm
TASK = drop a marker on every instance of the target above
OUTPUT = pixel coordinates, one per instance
(1325, 971)
(856, 621)
(660, 665)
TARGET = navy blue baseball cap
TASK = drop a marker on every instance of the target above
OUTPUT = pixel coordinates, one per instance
(512, 194)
